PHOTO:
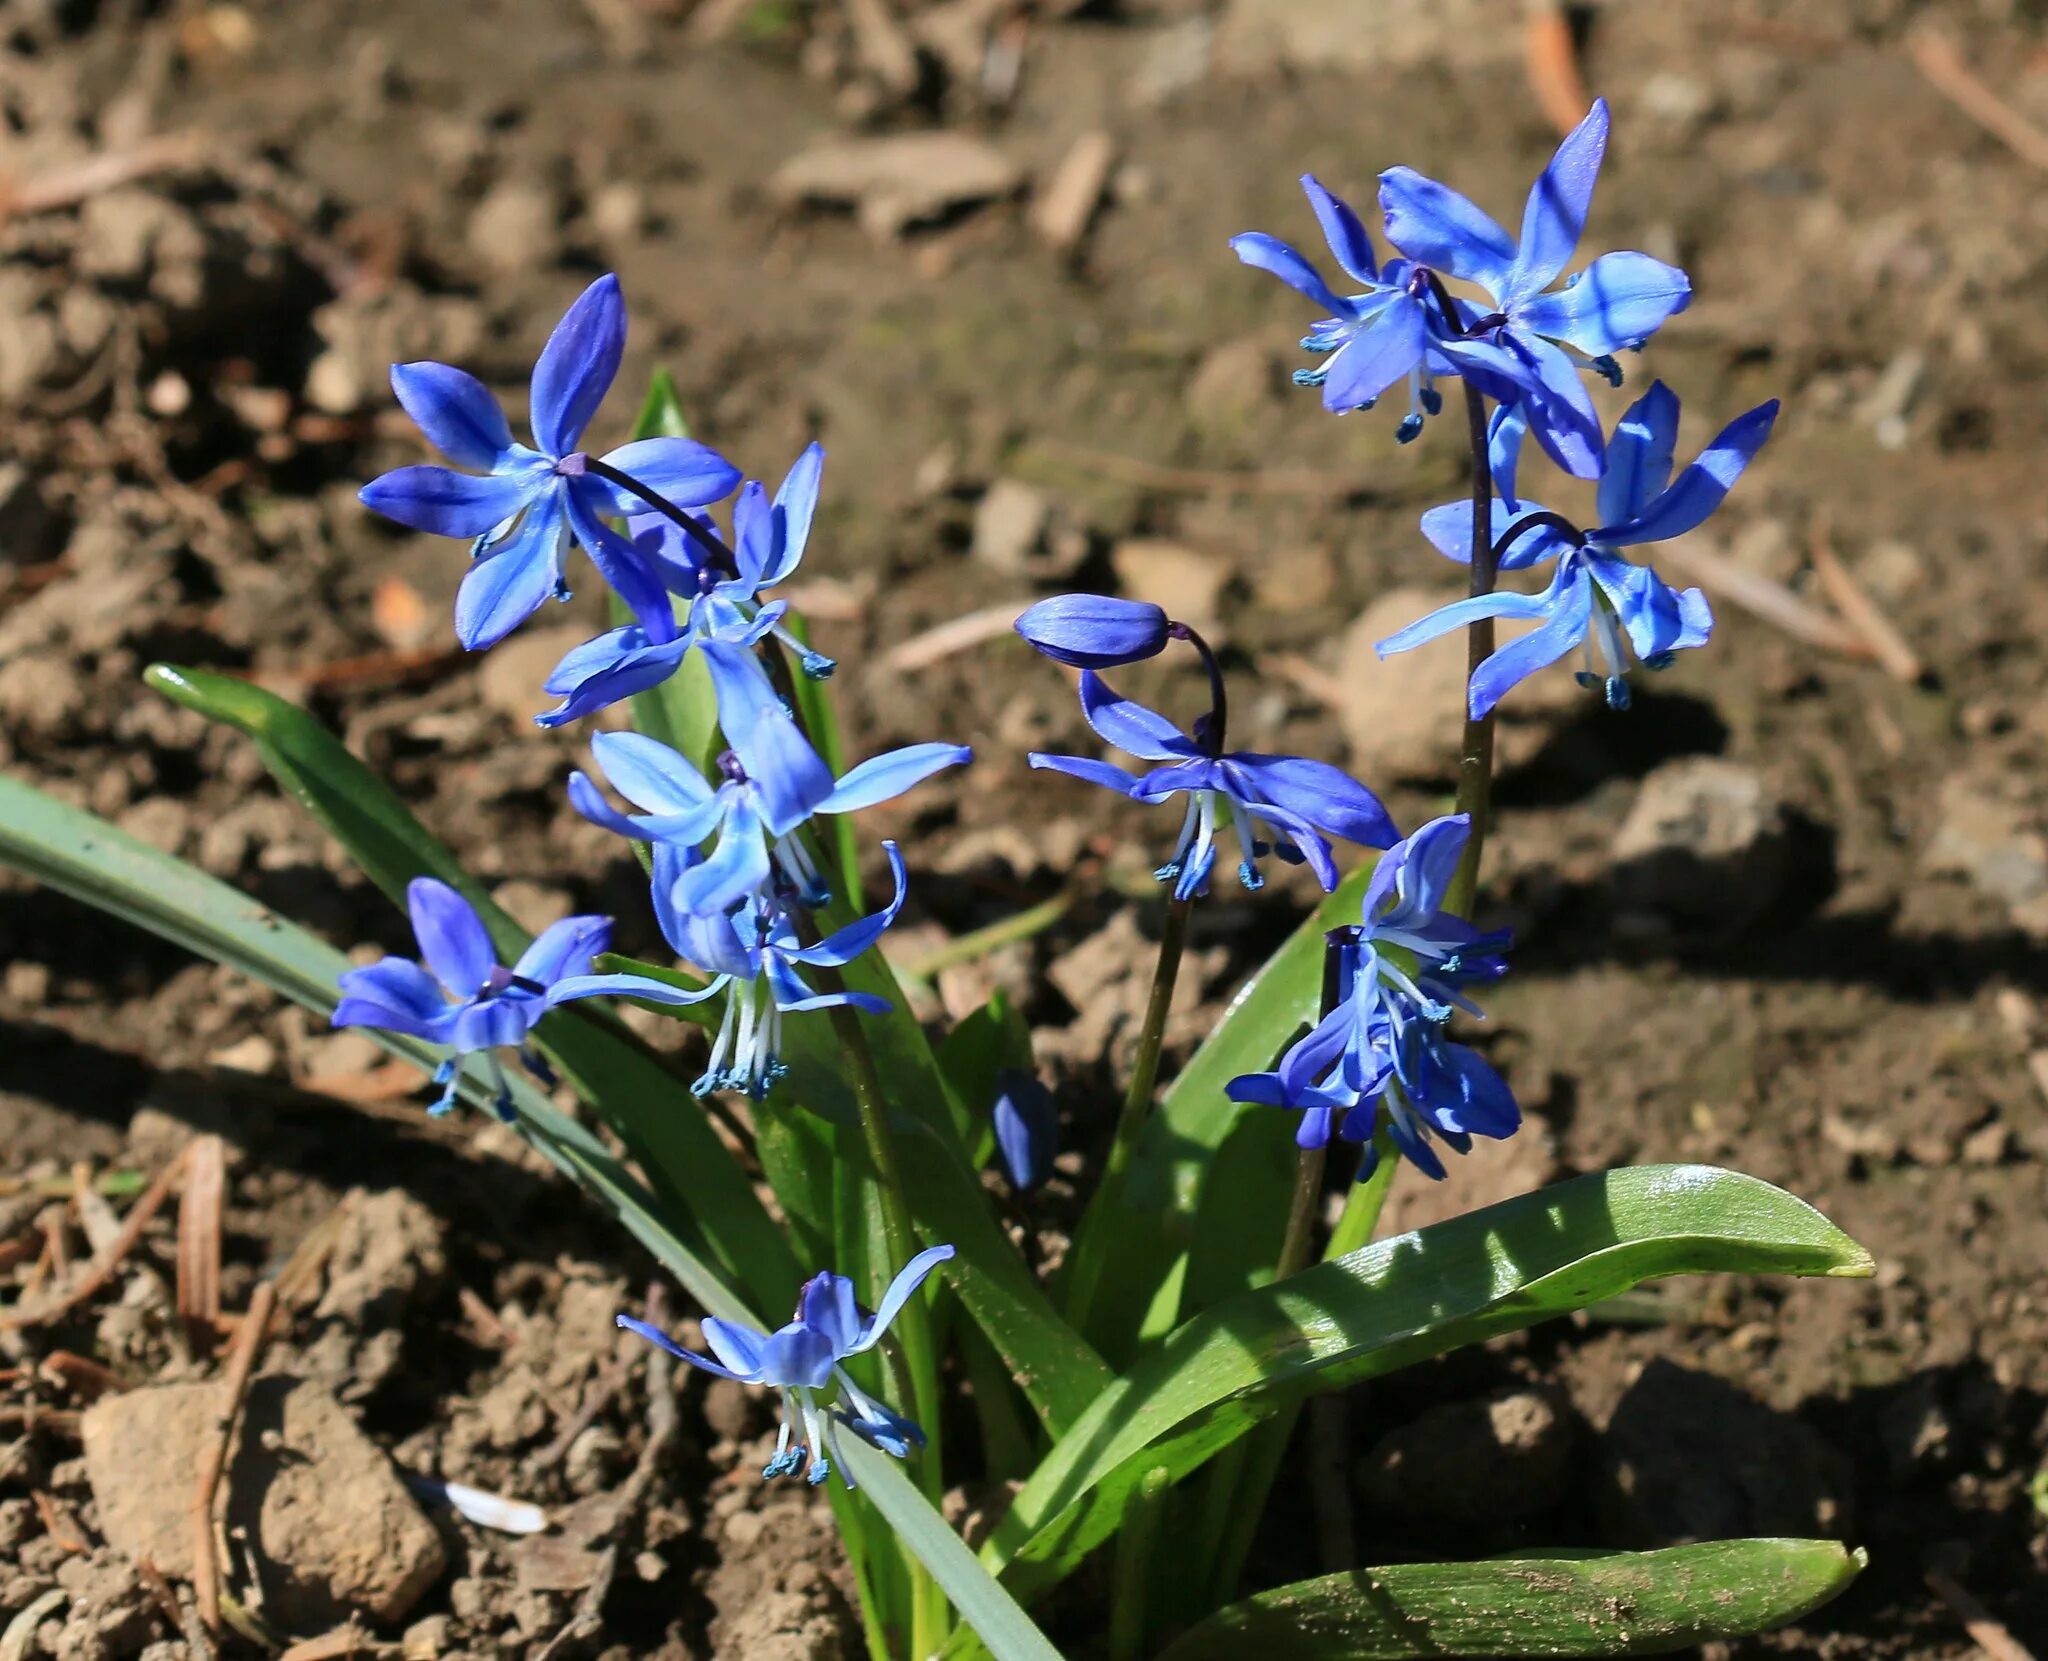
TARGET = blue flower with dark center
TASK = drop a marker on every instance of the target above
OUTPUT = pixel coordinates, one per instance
(805, 1361)
(725, 616)
(1283, 805)
(463, 997)
(532, 501)
(1401, 972)
(1027, 1126)
(1596, 599)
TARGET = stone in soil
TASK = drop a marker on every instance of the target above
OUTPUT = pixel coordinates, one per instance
(773, 1591)
(1491, 1460)
(1188, 583)
(1986, 836)
(109, 1614)
(897, 180)
(1705, 841)
(388, 1256)
(333, 1531)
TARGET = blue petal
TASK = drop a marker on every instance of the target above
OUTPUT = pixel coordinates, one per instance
(451, 936)
(1258, 1090)
(460, 418)
(394, 993)
(1556, 210)
(1617, 302)
(1653, 613)
(796, 503)
(1268, 253)
(1559, 409)
(1104, 773)
(577, 366)
(1539, 648)
(1376, 357)
(646, 987)
(792, 997)
(1697, 491)
(1449, 530)
(1639, 455)
(590, 801)
(788, 774)
(740, 1347)
(621, 564)
(1131, 727)
(828, 1307)
(908, 1279)
(598, 653)
(1307, 839)
(883, 778)
(443, 502)
(1162, 782)
(1504, 435)
(591, 678)
(654, 1335)
(1027, 1128)
(844, 945)
(564, 949)
(1094, 631)
(736, 869)
(1433, 224)
(649, 774)
(507, 586)
(796, 1357)
(686, 473)
(1410, 883)
(1347, 238)
(753, 537)
(495, 1023)
(1324, 796)
(1478, 1101)
(1459, 613)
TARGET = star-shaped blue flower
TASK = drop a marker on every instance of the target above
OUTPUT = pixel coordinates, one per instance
(1596, 599)
(531, 501)
(806, 1359)
(1279, 804)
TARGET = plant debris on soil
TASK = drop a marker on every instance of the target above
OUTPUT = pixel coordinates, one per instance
(1790, 915)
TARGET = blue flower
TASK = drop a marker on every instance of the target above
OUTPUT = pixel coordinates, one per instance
(806, 1359)
(462, 997)
(1278, 804)
(726, 615)
(754, 816)
(1596, 599)
(1375, 337)
(1027, 1127)
(1401, 972)
(1511, 352)
(532, 501)
(1095, 631)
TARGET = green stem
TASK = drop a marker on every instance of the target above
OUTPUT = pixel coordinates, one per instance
(1475, 755)
(1135, 1542)
(1123, 1147)
(1301, 1211)
(1362, 1206)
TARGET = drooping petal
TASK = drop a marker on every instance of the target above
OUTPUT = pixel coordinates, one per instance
(577, 366)
(596, 654)
(1476, 1100)
(687, 473)
(1449, 530)
(797, 1358)
(443, 502)
(452, 937)
(737, 868)
(1653, 613)
(1434, 225)
(789, 776)
(650, 775)
(591, 802)
(828, 1307)
(1324, 796)
(1616, 303)
(1347, 238)
(1308, 839)
(1505, 431)
(620, 563)
(1559, 409)
(654, 1335)
(753, 536)
(796, 503)
(459, 416)
(1174, 777)
(591, 678)
(1698, 490)
(507, 586)
(908, 1279)
(1094, 631)
(1377, 356)
(1027, 1124)
(1556, 210)
(1269, 253)
(1639, 455)
(645, 987)
(1459, 613)
(736, 1344)
(563, 949)
(884, 777)
(1104, 773)
(1410, 883)
(844, 945)
(1130, 726)
(495, 1023)
(393, 993)
(793, 997)
(1537, 649)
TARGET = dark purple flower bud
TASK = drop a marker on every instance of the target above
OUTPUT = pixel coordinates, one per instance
(1027, 1128)
(1094, 631)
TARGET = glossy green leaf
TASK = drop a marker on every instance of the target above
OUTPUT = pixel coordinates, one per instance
(1393, 1303)
(1608, 1603)
(666, 1131)
(819, 713)
(661, 411)
(990, 1041)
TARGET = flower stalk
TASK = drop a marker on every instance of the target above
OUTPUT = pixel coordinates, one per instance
(1475, 756)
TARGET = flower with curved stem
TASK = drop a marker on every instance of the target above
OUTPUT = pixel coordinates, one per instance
(1596, 599)
(726, 614)
(1283, 805)
(806, 1361)
(1513, 352)
(461, 996)
(531, 501)
(754, 817)
(1381, 1047)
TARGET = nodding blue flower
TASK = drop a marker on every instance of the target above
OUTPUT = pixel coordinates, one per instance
(805, 1361)
(463, 997)
(1027, 1126)
(1095, 631)
(1596, 599)
(754, 816)
(726, 615)
(532, 501)
(1401, 972)
(1373, 338)
(754, 954)
(1511, 352)
(1282, 805)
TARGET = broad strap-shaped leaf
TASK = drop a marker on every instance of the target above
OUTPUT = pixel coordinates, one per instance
(662, 1126)
(1600, 1603)
(1388, 1305)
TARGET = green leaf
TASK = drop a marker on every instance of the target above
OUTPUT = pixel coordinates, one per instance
(1612, 1603)
(1180, 1241)
(818, 712)
(1390, 1304)
(661, 411)
(991, 1040)
(662, 1126)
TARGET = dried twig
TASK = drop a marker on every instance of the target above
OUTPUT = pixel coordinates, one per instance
(332, 1646)
(298, 1282)
(57, 1522)
(1863, 614)
(66, 187)
(957, 634)
(241, 1363)
(103, 1267)
(1985, 1629)
(1937, 59)
(1773, 602)
(1148, 475)
(200, 1209)
(80, 1374)
(1551, 60)
(57, 1421)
